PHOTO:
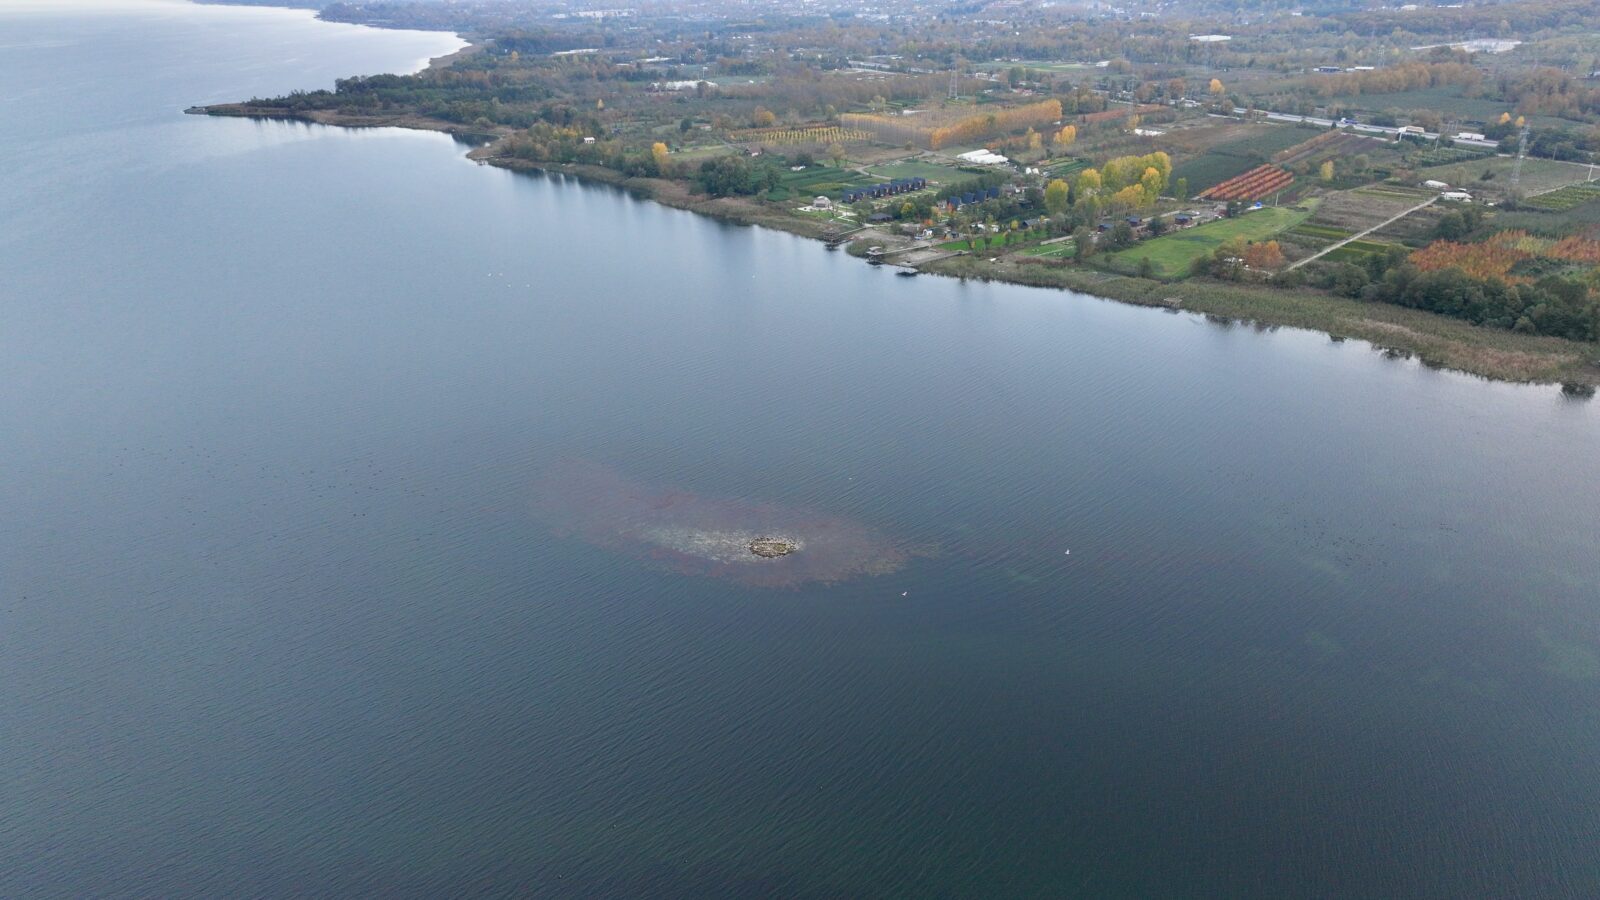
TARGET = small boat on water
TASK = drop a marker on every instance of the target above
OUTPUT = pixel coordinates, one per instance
(907, 273)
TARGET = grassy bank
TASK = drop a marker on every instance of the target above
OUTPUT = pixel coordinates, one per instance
(1434, 339)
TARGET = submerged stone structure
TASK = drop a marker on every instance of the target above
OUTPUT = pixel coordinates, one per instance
(751, 542)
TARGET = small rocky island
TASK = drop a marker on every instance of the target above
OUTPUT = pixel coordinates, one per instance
(771, 547)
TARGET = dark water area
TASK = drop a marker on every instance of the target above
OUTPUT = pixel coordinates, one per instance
(288, 604)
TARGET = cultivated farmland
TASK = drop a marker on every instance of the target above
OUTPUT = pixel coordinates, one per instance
(1538, 175)
(1256, 184)
(1562, 199)
(1171, 255)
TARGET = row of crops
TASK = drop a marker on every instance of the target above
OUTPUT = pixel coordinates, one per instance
(1256, 184)
(1067, 165)
(819, 135)
(1356, 251)
(1315, 236)
(1562, 199)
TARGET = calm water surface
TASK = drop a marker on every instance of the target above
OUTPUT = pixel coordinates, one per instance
(280, 613)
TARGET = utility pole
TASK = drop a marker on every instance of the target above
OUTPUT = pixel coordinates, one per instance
(1522, 151)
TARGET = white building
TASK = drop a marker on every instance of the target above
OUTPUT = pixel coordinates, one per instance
(1436, 186)
(983, 158)
(679, 85)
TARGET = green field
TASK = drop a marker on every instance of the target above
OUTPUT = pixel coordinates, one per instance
(1356, 251)
(1211, 169)
(1443, 156)
(1265, 140)
(1538, 175)
(1064, 166)
(1172, 254)
(701, 153)
(816, 180)
(1059, 250)
(915, 168)
(1563, 199)
(1320, 231)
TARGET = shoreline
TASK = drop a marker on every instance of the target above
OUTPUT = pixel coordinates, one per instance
(1435, 341)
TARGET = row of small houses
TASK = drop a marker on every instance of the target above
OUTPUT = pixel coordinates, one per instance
(1181, 220)
(973, 197)
(888, 189)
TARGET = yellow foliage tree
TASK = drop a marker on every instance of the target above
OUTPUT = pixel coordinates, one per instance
(1215, 87)
(1089, 183)
(1055, 197)
(1151, 184)
(1066, 136)
(659, 151)
(1326, 170)
(764, 118)
(1129, 198)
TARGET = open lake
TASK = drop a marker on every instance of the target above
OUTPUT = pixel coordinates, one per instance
(345, 487)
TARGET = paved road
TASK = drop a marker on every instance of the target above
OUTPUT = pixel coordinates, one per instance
(1365, 129)
(1356, 237)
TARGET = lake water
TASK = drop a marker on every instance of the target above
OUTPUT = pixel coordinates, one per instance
(321, 451)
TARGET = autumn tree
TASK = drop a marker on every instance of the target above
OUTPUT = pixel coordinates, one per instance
(764, 118)
(659, 152)
(1151, 183)
(1066, 136)
(1055, 197)
(1263, 255)
(1325, 171)
(1088, 183)
(1215, 87)
(1129, 198)
(836, 154)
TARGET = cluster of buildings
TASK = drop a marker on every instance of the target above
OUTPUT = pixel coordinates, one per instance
(888, 189)
(973, 197)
